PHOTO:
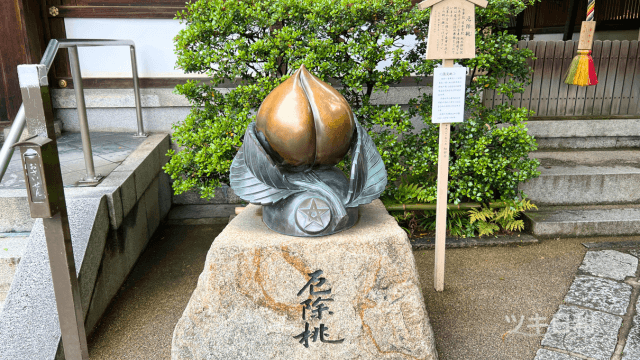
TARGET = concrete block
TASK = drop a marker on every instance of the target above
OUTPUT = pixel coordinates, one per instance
(544, 354)
(14, 214)
(584, 128)
(590, 158)
(157, 119)
(202, 221)
(116, 213)
(180, 212)
(592, 142)
(599, 294)
(145, 162)
(162, 149)
(609, 264)
(592, 222)
(151, 200)
(164, 194)
(29, 327)
(116, 98)
(590, 333)
(12, 247)
(192, 198)
(126, 182)
(584, 185)
(122, 249)
(114, 200)
(11, 250)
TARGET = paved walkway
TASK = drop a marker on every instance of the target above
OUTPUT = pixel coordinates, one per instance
(556, 300)
(553, 300)
(598, 318)
(109, 150)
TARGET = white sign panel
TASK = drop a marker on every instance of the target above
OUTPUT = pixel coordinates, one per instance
(448, 94)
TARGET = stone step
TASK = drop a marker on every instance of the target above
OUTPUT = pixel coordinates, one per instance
(11, 248)
(585, 178)
(574, 221)
(586, 134)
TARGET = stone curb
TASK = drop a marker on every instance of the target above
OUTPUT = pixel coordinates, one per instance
(429, 243)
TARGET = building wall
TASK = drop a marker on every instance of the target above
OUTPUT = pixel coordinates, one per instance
(153, 39)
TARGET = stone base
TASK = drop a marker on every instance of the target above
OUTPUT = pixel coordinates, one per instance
(246, 304)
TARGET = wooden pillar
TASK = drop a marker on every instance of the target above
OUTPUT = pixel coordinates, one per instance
(519, 25)
(22, 34)
(571, 20)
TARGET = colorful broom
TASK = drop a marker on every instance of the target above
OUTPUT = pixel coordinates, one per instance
(582, 70)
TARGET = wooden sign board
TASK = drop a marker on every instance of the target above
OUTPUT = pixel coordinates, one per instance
(452, 28)
(452, 35)
(586, 35)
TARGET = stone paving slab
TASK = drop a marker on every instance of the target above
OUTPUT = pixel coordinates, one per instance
(599, 294)
(610, 264)
(613, 245)
(587, 332)
(632, 347)
(109, 150)
(544, 354)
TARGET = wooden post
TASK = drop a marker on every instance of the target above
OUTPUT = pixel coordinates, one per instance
(441, 204)
(571, 20)
(451, 36)
(519, 25)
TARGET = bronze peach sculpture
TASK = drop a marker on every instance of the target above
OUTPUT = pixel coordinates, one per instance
(303, 128)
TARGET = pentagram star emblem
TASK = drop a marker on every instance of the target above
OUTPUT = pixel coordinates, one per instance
(314, 214)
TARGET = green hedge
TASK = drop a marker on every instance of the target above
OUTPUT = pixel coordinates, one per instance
(260, 43)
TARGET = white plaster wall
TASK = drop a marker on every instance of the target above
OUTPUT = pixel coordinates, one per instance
(153, 39)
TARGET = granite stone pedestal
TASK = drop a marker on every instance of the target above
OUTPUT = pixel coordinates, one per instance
(351, 295)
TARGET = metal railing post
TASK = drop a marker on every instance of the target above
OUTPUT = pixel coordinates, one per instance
(47, 59)
(45, 194)
(136, 92)
(74, 63)
(14, 134)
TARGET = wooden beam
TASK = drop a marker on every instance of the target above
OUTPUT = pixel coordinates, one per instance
(481, 3)
(136, 12)
(429, 3)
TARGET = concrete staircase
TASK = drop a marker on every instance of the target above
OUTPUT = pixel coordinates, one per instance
(590, 178)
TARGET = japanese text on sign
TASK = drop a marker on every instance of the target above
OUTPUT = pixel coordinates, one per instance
(34, 177)
(448, 94)
(313, 309)
(452, 31)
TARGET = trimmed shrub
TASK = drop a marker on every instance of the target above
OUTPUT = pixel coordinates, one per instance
(357, 46)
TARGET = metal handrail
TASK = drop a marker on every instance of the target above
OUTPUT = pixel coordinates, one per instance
(47, 59)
